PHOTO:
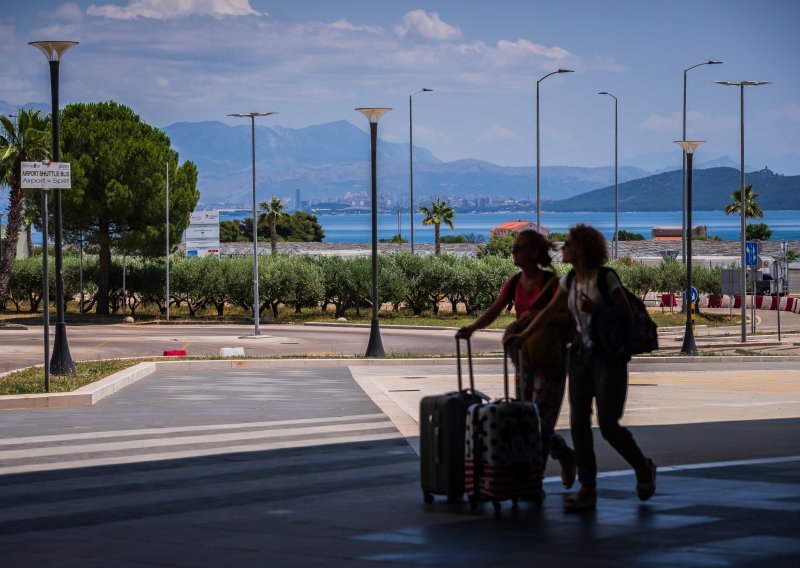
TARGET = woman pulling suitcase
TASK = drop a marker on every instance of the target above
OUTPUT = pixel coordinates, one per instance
(543, 371)
(593, 375)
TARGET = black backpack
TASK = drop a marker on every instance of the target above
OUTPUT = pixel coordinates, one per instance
(642, 336)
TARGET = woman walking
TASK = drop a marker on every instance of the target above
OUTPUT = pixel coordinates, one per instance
(586, 291)
(542, 379)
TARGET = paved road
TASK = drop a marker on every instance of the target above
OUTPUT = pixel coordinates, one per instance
(298, 467)
(21, 347)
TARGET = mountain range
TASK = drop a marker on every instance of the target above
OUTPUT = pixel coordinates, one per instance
(328, 160)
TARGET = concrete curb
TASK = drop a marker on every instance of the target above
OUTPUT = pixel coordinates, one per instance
(91, 394)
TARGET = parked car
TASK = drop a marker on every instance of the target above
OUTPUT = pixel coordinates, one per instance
(764, 286)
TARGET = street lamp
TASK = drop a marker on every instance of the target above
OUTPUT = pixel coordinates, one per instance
(616, 178)
(743, 205)
(683, 175)
(374, 346)
(411, 160)
(256, 304)
(61, 361)
(538, 208)
(689, 347)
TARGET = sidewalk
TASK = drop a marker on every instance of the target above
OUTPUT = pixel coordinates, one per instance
(299, 467)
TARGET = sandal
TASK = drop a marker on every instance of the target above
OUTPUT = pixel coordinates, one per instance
(583, 500)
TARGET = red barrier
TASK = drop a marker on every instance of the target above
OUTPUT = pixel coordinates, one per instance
(737, 301)
(175, 353)
(715, 301)
(668, 300)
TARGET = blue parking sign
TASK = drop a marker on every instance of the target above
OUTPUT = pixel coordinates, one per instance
(751, 253)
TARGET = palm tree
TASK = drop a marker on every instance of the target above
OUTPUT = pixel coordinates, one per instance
(27, 139)
(435, 215)
(751, 207)
(272, 211)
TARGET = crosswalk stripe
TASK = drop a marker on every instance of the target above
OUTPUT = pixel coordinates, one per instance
(196, 452)
(161, 442)
(178, 429)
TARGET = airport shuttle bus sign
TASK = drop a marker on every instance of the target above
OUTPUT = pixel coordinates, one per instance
(46, 175)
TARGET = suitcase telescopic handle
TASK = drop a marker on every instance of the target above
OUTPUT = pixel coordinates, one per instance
(469, 364)
(505, 372)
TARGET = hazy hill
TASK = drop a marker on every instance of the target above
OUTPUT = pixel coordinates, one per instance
(328, 160)
(711, 190)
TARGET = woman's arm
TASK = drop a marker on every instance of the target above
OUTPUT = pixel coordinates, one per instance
(488, 316)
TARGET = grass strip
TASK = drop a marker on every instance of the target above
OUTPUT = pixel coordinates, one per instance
(31, 379)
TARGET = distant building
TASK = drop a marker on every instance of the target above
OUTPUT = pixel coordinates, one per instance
(515, 227)
(674, 233)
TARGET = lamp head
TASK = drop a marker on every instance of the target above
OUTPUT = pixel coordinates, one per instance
(427, 90)
(713, 62)
(565, 71)
(251, 114)
(53, 50)
(743, 83)
(373, 114)
(689, 146)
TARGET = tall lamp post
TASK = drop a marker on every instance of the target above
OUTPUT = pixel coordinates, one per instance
(252, 116)
(689, 347)
(166, 206)
(61, 360)
(743, 204)
(411, 160)
(374, 346)
(616, 177)
(683, 175)
(538, 208)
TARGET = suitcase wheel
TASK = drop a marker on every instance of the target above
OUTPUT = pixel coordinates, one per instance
(497, 506)
(453, 499)
(473, 503)
(428, 497)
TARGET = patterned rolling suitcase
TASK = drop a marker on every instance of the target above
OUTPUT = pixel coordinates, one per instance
(503, 453)
(442, 426)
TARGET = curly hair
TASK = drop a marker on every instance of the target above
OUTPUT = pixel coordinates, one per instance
(540, 246)
(591, 243)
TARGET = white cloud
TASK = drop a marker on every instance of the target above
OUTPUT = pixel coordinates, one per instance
(67, 12)
(349, 26)
(524, 48)
(789, 112)
(426, 25)
(700, 123)
(658, 123)
(498, 132)
(161, 81)
(173, 9)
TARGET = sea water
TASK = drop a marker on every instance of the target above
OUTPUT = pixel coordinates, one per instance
(357, 227)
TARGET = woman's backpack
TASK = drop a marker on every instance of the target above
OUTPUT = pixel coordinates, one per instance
(612, 335)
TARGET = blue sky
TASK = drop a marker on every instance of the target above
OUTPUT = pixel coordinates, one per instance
(314, 61)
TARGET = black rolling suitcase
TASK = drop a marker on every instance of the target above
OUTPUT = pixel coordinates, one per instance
(442, 427)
